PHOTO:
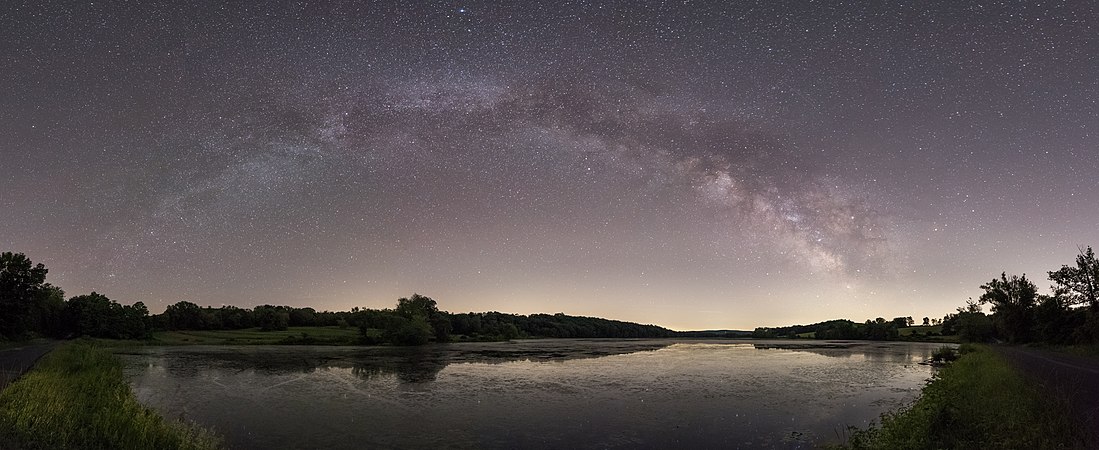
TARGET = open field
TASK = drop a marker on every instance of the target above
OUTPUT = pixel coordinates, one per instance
(908, 331)
(920, 333)
(254, 336)
(77, 398)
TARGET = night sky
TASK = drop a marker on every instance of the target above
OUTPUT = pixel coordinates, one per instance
(689, 164)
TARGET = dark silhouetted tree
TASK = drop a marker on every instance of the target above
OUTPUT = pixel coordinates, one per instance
(98, 316)
(20, 283)
(303, 317)
(272, 318)
(51, 311)
(1013, 301)
(427, 309)
(1080, 284)
(185, 315)
(970, 323)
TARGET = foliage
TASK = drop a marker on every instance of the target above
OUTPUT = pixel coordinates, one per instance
(1013, 301)
(970, 323)
(21, 283)
(77, 398)
(979, 401)
(1080, 284)
(185, 315)
(424, 321)
(96, 315)
(944, 354)
(272, 318)
(496, 325)
(877, 329)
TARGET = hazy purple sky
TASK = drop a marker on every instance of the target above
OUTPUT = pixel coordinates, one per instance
(690, 164)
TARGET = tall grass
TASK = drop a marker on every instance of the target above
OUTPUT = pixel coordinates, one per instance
(77, 398)
(978, 401)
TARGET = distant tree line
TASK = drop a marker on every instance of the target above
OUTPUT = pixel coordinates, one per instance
(1019, 313)
(31, 307)
(877, 329)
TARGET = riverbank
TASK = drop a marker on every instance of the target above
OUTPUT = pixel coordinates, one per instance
(76, 398)
(979, 401)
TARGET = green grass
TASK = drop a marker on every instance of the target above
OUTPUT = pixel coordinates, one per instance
(907, 331)
(979, 401)
(253, 336)
(77, 398)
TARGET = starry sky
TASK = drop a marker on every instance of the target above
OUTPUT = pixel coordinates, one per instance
(696, 165)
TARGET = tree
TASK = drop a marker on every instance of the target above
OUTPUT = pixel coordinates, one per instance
(410, 331)
(1054, 321)
(970, 323)
(303, 317)
(1012, 300)
(271, 318)
(20, 283)
(1080, 284)
(926, 321)
(185, 315)
(417, 305)
(134, 321)
(51, 311)
(425, 307)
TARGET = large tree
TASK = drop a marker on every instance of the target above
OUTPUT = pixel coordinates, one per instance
(185, 315)
(419, 307)
(1080, 284)
(20, 284)
(1013, 300)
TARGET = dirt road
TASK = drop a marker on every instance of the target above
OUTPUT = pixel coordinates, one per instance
(1074, 378)
(15, 361)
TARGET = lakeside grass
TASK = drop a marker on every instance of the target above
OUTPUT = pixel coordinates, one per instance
(254, 336)
(77, 398)
(979, 401)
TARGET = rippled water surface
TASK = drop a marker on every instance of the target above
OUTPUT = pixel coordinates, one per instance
(532, 394)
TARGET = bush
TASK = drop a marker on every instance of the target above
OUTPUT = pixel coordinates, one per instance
(944, 354)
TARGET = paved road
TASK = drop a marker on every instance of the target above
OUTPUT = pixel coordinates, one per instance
(15, 361)
(1075, 378)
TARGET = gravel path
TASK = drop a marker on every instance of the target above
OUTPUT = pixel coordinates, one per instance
(1075, 378)
(16, 361)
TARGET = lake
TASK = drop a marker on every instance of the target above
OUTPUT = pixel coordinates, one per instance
(553, 393)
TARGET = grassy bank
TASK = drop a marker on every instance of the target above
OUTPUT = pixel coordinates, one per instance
(978, 401)
(254, 336)
(77, 398)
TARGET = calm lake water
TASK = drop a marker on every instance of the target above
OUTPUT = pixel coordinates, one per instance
(532, 394)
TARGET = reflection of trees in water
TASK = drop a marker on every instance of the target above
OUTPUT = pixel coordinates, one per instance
(412, 365)
(423, 364)
(893, 353)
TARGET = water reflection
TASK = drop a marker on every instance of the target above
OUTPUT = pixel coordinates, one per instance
(892, 352)
(532, 394)
(411, 365)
